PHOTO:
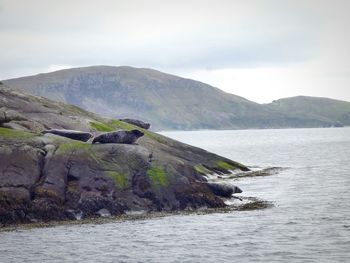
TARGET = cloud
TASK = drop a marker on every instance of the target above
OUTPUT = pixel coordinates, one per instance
(251, 38)
(188, 34)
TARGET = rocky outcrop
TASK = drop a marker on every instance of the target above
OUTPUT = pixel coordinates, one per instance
(138, 123)
(47, 177)
(7, 115)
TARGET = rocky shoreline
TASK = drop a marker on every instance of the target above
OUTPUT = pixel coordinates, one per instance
(250, 204)
(49, 177)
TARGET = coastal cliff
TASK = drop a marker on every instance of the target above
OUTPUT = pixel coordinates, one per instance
(47, 177)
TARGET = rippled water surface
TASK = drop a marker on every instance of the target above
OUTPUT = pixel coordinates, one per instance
(309, 222)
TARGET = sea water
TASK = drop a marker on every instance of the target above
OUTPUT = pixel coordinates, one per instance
(308, 222)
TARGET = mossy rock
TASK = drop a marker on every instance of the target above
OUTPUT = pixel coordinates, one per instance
(121, 179)
(202, 170)
(230, 166)
(75, 146)
(158, 176)
(15, 134)
(99, 126)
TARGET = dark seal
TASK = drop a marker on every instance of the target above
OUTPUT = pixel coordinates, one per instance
(141, 124)
(224, 190)
(71, 134)
(120, 136)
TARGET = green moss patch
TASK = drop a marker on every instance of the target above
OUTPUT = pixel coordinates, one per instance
(120, 179)
(15, 134)
(99, 126)
(65, 148)
(158, 176)
(231, 166)
(123, 125)
(202, 170)
(225, 165)
(112, 125)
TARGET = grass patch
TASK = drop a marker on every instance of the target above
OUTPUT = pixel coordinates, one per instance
(155, 136)
(226, 166)
(99, 126)
(202, 170)
(15, 134)
(112, 125)
(120, 179)
(73, 146)
(123, 125)
(232, 165)
(158, 176)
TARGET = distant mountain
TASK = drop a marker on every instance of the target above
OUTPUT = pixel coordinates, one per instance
(171, 102)
(318, 110)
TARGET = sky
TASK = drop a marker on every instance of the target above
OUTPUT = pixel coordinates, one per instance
(258, 49)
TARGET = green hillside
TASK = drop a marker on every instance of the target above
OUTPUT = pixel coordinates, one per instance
(173, 103)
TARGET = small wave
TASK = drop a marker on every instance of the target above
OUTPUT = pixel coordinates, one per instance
(247, 203)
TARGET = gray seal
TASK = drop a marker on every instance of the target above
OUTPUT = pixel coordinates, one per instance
(71, 134)
(224, 190)
(120, 136)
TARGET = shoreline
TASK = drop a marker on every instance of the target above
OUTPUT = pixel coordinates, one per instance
(252, 204)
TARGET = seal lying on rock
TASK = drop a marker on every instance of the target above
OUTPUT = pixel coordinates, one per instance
(224, 190)
(71, 134)
(141, 124)
(120, 136)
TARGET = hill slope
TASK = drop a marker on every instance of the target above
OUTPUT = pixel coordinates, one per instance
(167, 101)
(315, 108)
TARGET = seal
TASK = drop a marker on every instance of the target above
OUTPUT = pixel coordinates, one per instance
(224, 190)
(120, 136)
(71, 134)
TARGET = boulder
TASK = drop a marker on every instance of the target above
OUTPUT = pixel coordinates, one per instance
(7, 115)
(20, 166)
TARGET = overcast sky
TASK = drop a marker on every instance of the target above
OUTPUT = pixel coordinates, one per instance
(262, 50)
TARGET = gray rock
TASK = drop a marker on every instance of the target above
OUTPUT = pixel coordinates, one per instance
(19, 166)
(14, 194)
(7, 115)
(14, 126)
(104, 212)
